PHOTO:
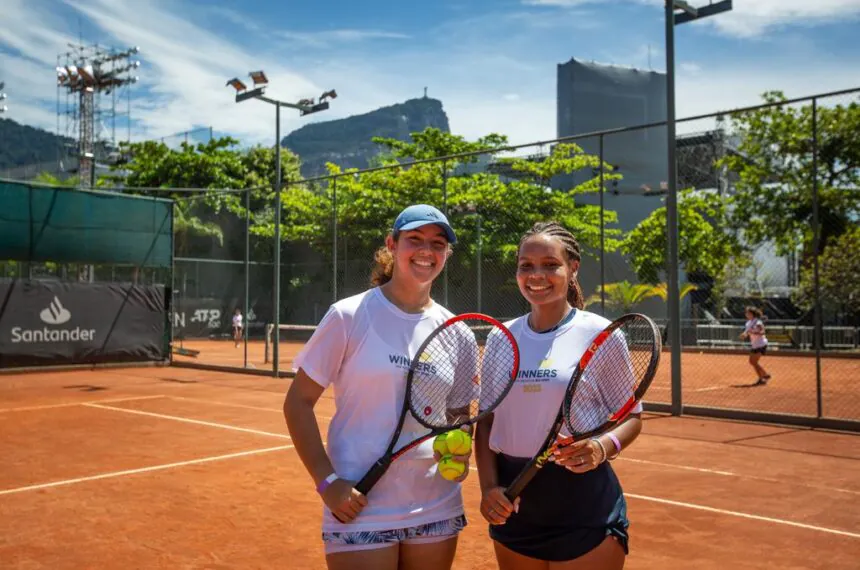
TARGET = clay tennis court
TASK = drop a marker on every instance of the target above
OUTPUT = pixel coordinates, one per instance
(716, 379)
(181, 468)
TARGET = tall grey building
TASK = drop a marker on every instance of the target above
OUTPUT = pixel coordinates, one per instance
(595, 97)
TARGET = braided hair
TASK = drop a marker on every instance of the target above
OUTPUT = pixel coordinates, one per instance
(571, 249)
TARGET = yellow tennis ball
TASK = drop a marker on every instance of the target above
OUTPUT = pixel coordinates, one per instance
(459, 442)
(440, 445)
(450, 469)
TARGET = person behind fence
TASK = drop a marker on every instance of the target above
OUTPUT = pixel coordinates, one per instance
(362, 348)
(573, 514)
(237, 327)
(754, 331)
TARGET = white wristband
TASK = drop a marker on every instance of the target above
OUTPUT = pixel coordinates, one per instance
(326, 482)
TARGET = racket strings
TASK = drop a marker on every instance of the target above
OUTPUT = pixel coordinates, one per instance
(466, 368)
(611, 378)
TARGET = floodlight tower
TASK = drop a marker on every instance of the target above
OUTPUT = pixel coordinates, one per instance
(3, 108)
(84, 74)
(305, 107)
(677, 12)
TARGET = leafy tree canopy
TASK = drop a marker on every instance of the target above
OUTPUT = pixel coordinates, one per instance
(774, 163)
(705, 245)
(367, 202)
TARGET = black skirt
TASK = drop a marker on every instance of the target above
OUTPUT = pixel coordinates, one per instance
(562, 515)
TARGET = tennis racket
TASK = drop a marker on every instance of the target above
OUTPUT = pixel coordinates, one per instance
(611, 377)
(460, 374)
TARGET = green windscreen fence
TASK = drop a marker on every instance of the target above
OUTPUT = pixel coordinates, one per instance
(65, 225)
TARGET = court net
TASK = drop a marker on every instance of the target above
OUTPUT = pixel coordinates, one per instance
(293, 337)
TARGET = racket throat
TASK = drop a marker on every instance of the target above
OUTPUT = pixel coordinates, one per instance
(374, 474)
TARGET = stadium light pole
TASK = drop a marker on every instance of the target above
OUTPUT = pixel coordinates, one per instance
(305, 107)
(3, 108)
(677, 12)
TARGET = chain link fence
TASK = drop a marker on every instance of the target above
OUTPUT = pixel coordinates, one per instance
(768, 214)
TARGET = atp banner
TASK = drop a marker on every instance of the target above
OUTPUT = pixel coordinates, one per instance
(46, 323)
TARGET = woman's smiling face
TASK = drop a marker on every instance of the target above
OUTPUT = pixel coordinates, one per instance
(420, 254)
(544, 272)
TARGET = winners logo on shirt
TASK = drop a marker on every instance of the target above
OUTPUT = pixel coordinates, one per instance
(543, 373)
(403, 363)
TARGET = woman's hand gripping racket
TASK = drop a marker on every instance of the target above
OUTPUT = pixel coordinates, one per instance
(460, 374)
(610, 379)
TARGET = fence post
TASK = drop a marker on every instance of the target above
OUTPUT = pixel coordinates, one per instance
(334, 240)
(602, 238)
(480, 262)
(276, 285)
(672, 278)
(816, 232)
(247, 270)
(445, 210)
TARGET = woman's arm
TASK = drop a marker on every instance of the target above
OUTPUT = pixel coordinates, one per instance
(626, 433)
(340, 497)
(485, 459)
(585, 455)
(495, 506)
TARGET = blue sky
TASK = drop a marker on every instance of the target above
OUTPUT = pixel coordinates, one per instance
(491, 62)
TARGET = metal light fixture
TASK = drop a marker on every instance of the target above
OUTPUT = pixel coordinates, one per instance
(237, 84)
(305, 107)
(259, 78)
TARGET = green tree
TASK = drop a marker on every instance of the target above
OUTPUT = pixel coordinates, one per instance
(367, 202)
(838, 274)
(774, 165)
(706, 243)
(213, 167)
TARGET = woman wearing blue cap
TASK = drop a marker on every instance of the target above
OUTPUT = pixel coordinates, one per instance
(362, 349)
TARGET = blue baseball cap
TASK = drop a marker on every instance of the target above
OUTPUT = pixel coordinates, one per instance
(419, 215)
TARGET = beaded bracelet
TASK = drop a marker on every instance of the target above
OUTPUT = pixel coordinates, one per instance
(602, 449)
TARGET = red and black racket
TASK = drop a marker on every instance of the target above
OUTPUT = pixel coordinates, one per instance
(460, 374)
(610, 379)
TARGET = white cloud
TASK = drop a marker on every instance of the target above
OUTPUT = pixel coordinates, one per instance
(748, 18)
(332, 37)
(494, 73)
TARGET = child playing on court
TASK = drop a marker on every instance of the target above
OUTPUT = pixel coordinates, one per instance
(362, 349)
(237, 327)
(573, 514)
(754, 331)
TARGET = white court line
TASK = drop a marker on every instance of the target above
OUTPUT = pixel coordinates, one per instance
(733, 474)
(189, 421)
(71, 404)
(229, 405)
(708, 389)
(743, 515)
(735, 514)
(141, 470)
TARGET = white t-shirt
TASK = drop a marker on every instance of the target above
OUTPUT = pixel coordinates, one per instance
(755, 328)
(547, 361)
(237, 320)
(363, 348)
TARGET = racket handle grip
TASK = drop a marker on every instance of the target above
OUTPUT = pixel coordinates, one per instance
(517, 485)
(372, 476)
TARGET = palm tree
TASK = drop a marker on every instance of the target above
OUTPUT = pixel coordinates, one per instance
(186, 224)
(624, 296)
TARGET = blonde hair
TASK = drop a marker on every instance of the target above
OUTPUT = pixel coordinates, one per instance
(383, 267)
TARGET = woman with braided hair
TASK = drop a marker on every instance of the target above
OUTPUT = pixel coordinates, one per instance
(573, 514)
